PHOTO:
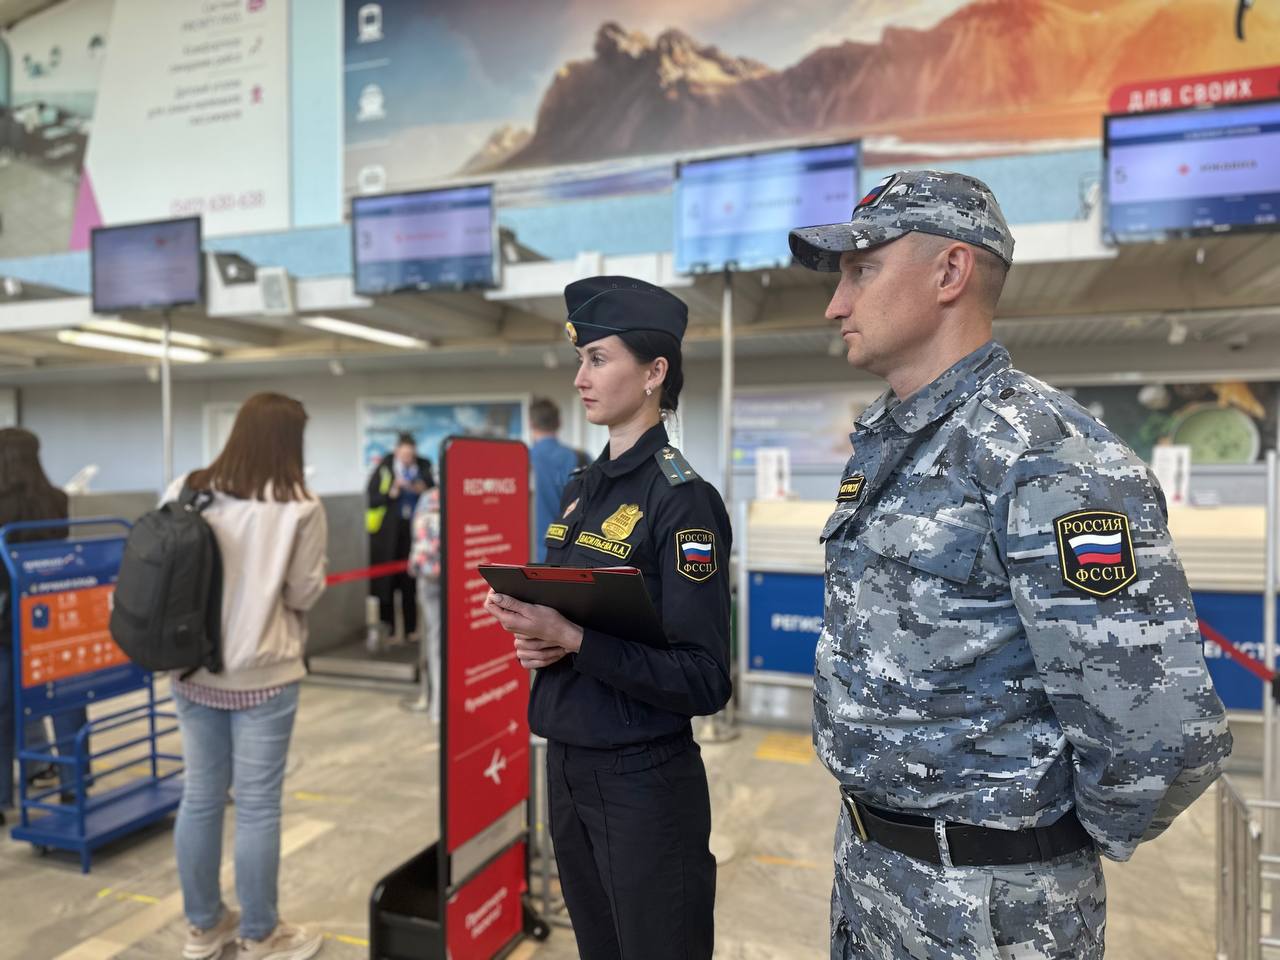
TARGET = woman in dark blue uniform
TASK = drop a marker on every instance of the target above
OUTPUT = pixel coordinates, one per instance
(630, 812)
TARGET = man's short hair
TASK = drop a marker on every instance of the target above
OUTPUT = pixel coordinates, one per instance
(406, 438)
(544, 415)
(991, 275)
(989, 271)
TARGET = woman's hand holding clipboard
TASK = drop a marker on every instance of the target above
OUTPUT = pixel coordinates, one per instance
(611, 600)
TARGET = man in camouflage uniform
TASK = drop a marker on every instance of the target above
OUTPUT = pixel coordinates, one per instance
(1010, 679)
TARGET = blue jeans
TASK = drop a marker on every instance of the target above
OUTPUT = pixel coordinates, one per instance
(247, 748)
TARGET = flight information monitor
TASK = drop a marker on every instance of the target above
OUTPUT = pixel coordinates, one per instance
(1190, 172)
(146, 266)
(735, 212)
(426, 240)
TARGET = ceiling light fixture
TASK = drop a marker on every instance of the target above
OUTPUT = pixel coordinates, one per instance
(360, 331)
(122, 328)
(141, 348)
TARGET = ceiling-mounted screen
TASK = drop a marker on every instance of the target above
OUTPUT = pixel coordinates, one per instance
(146, 266)
(734, 213)
(426, 240)
(1190, 172)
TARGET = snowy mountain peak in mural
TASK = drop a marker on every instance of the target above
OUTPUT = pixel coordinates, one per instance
(1021, 71)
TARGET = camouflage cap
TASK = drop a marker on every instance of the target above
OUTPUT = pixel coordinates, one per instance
(923, 201)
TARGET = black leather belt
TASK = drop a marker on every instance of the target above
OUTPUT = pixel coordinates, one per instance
(963, 845)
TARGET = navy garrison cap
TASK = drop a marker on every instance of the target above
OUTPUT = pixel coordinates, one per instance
(602, 306)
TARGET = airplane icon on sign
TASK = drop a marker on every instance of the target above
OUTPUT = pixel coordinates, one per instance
(495, 768)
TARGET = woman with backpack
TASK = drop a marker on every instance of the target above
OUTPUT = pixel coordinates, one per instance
(25, 494)
(236, 724)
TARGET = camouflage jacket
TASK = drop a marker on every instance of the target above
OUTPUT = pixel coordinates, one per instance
(1008, 632)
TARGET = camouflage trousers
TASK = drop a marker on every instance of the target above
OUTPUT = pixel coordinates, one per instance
(888, 906)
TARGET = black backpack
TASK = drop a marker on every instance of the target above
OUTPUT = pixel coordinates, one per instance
(167, 613)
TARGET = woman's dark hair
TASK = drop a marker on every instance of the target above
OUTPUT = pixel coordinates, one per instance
(647, 346)
(263, 453)
(25, 490)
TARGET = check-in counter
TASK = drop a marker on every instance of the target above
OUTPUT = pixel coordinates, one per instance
(780, 591)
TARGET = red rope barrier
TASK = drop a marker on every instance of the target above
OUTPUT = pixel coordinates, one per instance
(368, 573)
(1259, 670)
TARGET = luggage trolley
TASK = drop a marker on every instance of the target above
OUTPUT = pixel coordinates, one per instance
(65, 661)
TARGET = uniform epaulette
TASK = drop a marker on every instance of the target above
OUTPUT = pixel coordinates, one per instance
(674, 466)
(1031, 415)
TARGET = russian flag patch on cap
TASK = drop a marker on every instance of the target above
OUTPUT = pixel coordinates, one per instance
(876, 193)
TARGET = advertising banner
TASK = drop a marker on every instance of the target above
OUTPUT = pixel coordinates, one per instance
(785, 621)
(144, 110)
(1231, 86)
(1229, 422)
(431, 421)
(813, 425)
(1238, 617)
(64, 591)
(486, 913)
(437, 91)
(485, 512)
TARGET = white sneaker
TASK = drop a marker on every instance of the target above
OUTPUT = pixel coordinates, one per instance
(286, 942)
(206, 944)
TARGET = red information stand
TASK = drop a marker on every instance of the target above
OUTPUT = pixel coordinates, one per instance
(462, 898)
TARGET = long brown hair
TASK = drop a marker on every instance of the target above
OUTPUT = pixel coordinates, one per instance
(263, 455)
(25, 490)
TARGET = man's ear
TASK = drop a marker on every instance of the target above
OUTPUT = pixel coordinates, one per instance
(956, 269)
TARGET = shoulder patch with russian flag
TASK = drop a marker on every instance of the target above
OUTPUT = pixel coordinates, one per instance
(1095, 548)
(696, 554)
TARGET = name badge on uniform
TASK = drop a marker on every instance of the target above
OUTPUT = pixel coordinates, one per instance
(557, 532)
(696, 554)
(851, 488)
(616, 529)
(1096, 551)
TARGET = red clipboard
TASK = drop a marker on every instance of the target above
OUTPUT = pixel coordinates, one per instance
(612, 600)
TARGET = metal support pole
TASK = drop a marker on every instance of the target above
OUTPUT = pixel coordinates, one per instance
(726, 391)
(1271, 820)
(166, 400)
(721, 727)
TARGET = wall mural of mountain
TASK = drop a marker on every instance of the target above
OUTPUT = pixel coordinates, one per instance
(995, 70)
(437, 89)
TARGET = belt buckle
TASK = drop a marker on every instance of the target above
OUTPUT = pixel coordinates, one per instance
(852, 806)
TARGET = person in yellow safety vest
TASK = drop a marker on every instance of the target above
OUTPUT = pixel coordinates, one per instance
(394, 487)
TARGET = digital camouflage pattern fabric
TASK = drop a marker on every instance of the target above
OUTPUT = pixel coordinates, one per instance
(945, 204)
(962, 675)
(886, 904)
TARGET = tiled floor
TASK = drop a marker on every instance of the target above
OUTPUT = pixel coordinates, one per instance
(361, 797)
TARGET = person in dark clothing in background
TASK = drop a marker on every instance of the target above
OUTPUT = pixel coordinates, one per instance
(25, 494)
(400, 478)
(552, 463)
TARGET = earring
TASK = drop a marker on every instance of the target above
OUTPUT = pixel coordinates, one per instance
(648, 391)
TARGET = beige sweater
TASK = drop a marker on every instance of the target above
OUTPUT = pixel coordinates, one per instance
(273, 570)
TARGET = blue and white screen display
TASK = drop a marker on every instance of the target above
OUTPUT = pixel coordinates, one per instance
(1193, 171)
(735, 212)
(434, 239)
(146, 266)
